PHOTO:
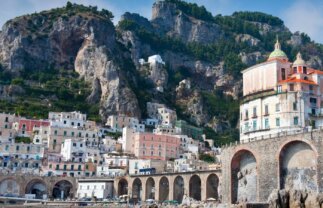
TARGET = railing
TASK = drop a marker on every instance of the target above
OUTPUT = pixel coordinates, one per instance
(274, 135)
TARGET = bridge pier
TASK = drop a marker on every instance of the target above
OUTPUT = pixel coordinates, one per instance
(171, 187)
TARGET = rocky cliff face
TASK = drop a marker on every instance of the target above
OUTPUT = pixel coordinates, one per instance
(169, 19)
(83, 41)
(94, 62)
(209, 51)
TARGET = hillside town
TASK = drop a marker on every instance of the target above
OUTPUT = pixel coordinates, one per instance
(66, 144)
(280, 98)
(101, 105)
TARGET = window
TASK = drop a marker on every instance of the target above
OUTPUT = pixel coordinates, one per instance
(291, 87)
(6, 120)
(79, 168)
(28, 148)
(277, 107)
(6, 126)
(304, 70)
(294, 106)
(254, 111)
(80, 134)
(294, 70)
(247, 114)
(266, 110)
(254, 125)
(72, 167)
(279, 89)
(65, 133)
(17, 148)
(296, 120)
(266, 123)
(55, 132)
(283, 74)
(74, 144)
(72, 123)
(64, 167)
(50, 166)
(86, 166)
(72, 133)
(310, 87)
(313, 111)
(277, 121)
(64, 122)
(152, 153)
(7, 147)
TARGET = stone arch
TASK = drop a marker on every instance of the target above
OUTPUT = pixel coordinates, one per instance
(298, 166)
(150, 188)
(122, 187)
(244, 177)
(212, 184)
(136, 189)
(62, 190)
(163, 189)
(37, 187)
(178, 189)
(9, 186)
(195, 187)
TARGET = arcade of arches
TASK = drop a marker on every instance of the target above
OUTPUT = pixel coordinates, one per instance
(170, 187)
(251, 171)
(40, 187)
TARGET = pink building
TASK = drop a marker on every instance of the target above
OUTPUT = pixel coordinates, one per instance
(26, 126)
(155, 146)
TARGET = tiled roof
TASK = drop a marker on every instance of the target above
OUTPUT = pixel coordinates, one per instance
(294, 80)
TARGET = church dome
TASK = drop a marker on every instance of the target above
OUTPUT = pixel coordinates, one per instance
(278, 53)
(299, 60)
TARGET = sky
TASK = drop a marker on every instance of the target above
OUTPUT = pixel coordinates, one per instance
(299, 15)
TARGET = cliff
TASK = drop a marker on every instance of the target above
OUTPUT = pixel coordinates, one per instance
(74, 58)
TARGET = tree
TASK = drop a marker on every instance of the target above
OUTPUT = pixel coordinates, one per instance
(207, 158)
(69, 5)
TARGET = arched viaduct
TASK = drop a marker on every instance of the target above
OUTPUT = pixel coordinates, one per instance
(52, 187)
(199, 185)
(251, 171)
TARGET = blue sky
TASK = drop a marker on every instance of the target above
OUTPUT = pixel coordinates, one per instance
(298, 15)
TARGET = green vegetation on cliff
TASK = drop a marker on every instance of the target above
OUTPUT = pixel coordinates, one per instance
(47, 90)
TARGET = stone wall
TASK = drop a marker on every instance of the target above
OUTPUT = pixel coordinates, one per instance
(283, 162)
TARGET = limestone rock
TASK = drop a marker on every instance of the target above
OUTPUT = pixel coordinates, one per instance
(95, 63)
(251, 41)
(177, 24)
(294, 199)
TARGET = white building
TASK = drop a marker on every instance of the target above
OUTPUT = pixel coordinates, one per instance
(128, 140)
(280, 96)
(164, 115)
(146, 167)
(99, 188)
(67, 119)
(117, 123)
(189, 165)
(155, 59)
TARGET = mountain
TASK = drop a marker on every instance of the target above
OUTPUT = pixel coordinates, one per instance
(74, 58)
